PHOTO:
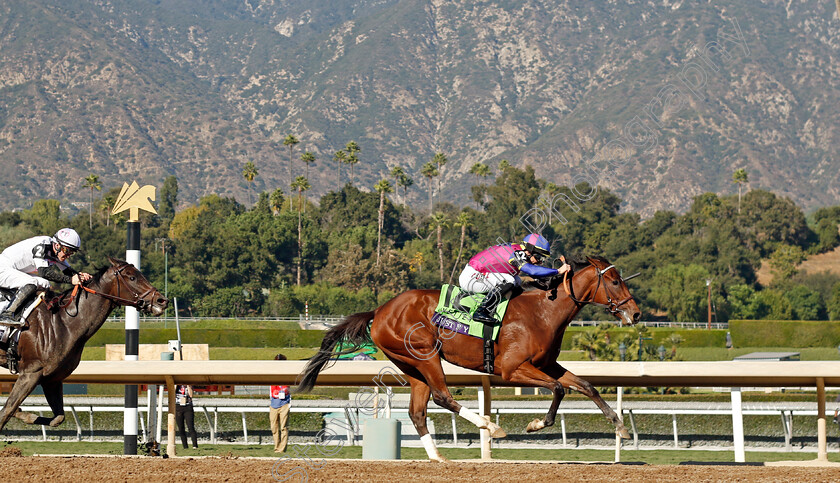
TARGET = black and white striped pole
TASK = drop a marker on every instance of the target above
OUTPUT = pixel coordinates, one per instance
(132, 198)
(132, 343)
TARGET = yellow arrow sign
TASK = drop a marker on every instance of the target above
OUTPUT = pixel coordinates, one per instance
(134, 198)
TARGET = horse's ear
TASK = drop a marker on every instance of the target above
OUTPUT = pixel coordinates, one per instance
(115, 262)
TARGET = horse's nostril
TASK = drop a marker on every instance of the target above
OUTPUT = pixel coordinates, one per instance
(637, 316)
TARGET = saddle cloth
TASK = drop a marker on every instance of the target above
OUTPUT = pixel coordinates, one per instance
(29, 308)
(455, 308)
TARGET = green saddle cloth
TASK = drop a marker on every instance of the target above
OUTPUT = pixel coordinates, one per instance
(459, 306)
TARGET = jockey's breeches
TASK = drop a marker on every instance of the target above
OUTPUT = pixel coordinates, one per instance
(474, 281)
(14, 279)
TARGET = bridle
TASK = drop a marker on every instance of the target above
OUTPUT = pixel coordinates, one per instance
(611, 306)
(138, 300)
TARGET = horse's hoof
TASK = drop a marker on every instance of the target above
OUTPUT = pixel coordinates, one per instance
(535, 425)
(496, 432)
(440, 459)
(27, 418)
(623, 433)
(56, 421)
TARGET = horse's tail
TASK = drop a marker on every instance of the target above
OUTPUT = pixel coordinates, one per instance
(354, 329)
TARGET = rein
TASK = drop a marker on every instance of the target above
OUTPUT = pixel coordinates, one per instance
(138, 301)
(611, 306)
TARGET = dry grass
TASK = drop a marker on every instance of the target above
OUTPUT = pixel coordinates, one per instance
(823, 262)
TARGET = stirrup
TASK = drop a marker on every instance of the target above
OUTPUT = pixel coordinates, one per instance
(484, 316)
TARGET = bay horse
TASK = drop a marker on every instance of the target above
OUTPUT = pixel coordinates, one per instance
(526, 349)
(51, 348)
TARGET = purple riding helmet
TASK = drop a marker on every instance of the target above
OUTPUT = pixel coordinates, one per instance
(537, 244)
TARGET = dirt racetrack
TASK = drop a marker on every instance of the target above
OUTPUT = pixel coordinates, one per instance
(80, 469)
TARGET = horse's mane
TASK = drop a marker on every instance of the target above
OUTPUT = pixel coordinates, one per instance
(99, 273)
(95, 278)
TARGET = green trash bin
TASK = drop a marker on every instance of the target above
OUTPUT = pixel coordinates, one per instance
(382, 439)
(167, 356)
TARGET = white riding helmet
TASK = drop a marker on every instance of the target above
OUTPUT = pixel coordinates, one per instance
(69, 238)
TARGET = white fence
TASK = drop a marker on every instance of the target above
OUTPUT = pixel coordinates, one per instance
(732, 374)
(211, 408)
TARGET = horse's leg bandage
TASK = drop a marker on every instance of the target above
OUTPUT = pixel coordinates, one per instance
(472, 417)
(482, 422)
(431, 449)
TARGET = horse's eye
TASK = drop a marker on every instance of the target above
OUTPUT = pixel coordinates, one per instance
(615, 282)
(132, 278)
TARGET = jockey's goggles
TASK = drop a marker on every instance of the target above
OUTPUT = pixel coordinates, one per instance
(66, 250)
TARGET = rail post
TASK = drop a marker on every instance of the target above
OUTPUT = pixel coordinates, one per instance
(170, 417)
(737, 425)
(822, 453)
(484, 405)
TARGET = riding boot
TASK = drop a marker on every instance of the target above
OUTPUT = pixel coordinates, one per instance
(486, 311)
(12, 315)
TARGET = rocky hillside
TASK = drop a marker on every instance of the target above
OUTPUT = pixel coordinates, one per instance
(657, 100)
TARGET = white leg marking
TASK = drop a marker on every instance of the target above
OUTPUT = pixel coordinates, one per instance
(431, 449)
(472, 417)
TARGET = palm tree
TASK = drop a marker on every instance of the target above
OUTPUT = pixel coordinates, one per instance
(589, 342)
(440, 160)
(290, 141)
(439, 221)
(739, 177)
(464, 220)
(275, 201)
(339, 157)
(352, 149)
(300, 184)
(91, 182)
(382, 187)
(406, 182)
(429, 171)
(396, 173)
(105, 205)
(308, 158)
(403, 180)
(249, 172)
(482, 171)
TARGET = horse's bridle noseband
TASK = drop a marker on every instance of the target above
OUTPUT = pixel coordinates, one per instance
(611, 306)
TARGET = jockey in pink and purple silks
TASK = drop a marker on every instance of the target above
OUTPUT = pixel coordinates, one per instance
(496, 271)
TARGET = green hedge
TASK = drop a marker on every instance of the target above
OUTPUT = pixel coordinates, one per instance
(312, 338)
(691, 337)
(216, 337)
(785, 333)
(745, 333)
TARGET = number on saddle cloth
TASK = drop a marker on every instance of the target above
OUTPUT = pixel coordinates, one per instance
(455, 308)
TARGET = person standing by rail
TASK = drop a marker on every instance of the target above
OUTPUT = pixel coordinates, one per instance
(281, 401)
(184, 413)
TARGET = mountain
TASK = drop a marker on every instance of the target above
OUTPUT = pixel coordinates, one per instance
(658, 101)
